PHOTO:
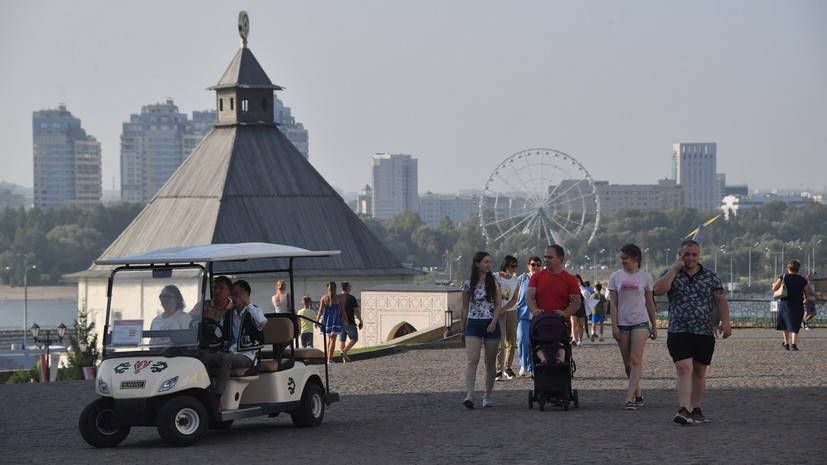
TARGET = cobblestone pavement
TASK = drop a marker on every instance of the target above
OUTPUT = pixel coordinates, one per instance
(766, 405)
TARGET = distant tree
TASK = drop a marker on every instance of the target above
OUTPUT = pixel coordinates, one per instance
(73, 247)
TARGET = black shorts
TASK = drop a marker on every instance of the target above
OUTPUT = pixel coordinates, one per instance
(580, 313)
(698, 347)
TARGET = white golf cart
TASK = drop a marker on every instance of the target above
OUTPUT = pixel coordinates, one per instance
(153, 377)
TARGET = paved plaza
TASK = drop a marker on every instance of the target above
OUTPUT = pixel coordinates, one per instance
(766, 406)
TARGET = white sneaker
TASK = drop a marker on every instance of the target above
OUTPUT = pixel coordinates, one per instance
(486, 401)
(600, 338)
(469, 401)
(522, 372)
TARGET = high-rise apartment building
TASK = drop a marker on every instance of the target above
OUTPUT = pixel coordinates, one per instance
(154, 144)
(295, 132)
(395, 185)
(67, 161)
(694, 166)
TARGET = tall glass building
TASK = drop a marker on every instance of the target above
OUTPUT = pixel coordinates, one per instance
(67, 161)
(154, 144)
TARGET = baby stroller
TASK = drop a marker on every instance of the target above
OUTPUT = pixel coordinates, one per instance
(553, 365)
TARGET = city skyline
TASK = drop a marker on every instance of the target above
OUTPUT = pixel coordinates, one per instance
(612, 84)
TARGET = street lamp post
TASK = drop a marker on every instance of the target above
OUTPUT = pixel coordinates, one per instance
(749, 268)
(646, 251)
(731, 277)
(26, 301)
(61, 331)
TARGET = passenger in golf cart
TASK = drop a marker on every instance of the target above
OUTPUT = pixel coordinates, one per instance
(221, 301)
(243, 336)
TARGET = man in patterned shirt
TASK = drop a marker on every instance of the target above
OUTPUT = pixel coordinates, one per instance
(693, 292)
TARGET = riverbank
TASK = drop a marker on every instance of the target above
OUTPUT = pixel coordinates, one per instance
(69, 291)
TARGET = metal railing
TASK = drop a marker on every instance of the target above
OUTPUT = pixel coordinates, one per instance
(749, 313)
(15, 336)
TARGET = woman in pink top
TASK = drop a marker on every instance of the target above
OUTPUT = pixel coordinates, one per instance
(633, 317)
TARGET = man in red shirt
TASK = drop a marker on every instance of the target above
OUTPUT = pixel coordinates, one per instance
(553, 289)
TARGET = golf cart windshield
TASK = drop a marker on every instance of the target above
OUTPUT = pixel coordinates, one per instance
(149, 309)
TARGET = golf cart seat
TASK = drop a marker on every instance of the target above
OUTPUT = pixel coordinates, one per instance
(279, 331)
(309, 354)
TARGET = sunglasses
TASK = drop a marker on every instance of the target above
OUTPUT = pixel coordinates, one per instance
(536, 264)
(513, 265)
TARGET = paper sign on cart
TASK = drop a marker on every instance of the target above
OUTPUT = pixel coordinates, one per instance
(127, 332)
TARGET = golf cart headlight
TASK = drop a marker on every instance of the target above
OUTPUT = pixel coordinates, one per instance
(103, 387)
(168, 384)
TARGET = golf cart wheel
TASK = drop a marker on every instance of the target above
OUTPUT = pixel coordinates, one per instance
(181, 420)
(97, 424)
(576, 399)
(530, 399)
(311, 412)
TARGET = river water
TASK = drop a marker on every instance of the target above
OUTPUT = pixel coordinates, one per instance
(46, 313)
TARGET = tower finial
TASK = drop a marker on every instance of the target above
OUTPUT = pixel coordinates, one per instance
(243, 28)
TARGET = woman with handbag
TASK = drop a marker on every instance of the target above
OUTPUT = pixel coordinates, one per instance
(791, 305)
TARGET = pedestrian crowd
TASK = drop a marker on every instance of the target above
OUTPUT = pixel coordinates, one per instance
(499, 306)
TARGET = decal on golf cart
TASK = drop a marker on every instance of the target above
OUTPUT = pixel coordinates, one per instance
(156, 367)
(291, 385)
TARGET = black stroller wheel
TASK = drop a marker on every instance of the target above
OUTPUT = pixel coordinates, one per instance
(576, 399)
(531, 399)
(542, 405)
(566, 401)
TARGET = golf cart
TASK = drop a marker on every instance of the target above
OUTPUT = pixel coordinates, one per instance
(153, 377)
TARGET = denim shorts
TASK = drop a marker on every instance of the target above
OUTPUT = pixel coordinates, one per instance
(477, 327)
(349, 331)
(626, 329)
(307, 339)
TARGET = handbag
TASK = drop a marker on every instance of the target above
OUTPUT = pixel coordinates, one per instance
(781, 292)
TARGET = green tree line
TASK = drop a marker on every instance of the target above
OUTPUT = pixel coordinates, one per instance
(755, 243)
(57, 241)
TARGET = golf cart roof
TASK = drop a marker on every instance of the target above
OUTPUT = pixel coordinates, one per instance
(216, 253)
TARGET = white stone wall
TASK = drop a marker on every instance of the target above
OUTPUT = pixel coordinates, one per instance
(383, 310)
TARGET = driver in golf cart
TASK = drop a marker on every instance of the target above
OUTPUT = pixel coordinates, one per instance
(243, 337)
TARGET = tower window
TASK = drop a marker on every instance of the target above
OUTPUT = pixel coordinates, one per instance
(244, 106)
(232, 102)
(221, 104)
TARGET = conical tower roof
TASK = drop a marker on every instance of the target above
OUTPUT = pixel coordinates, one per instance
(245, 72)
(248, 183)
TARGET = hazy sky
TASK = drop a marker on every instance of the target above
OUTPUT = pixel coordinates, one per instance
(459, 85)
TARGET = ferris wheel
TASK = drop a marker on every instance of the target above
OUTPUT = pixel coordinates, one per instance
(541, 193)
